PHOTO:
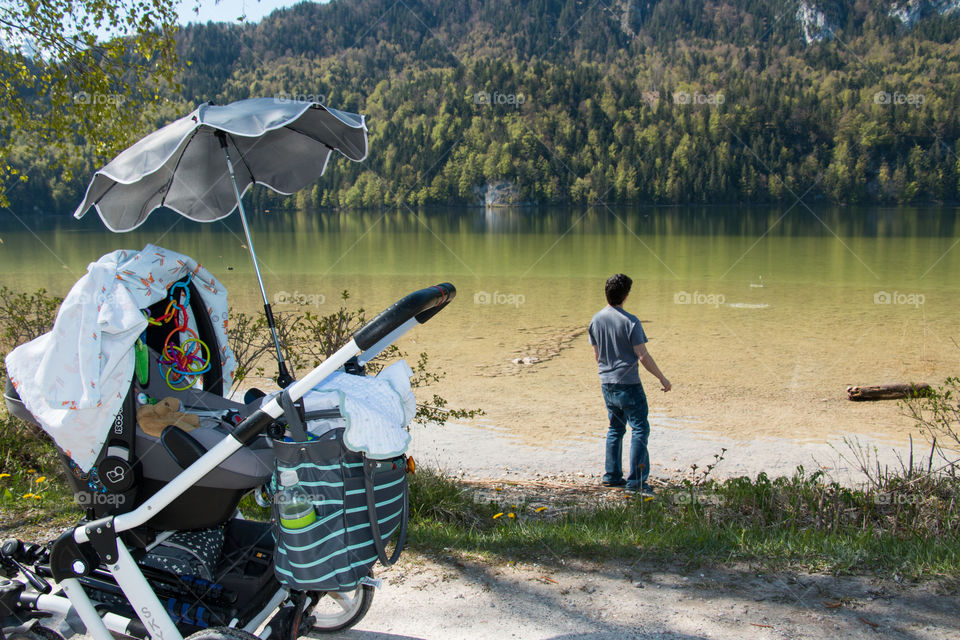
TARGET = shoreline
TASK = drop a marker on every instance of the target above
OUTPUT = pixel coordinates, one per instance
(490, 453)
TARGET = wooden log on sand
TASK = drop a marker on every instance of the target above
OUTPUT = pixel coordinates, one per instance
(887, 391)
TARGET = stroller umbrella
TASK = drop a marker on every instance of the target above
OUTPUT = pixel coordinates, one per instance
(188, 166)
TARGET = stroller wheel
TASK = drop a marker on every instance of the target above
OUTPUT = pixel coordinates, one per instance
(336, 611)
(222, 633)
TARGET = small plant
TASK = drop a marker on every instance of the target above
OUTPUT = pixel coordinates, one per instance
(246, 339)
(23, 317)
(434, 497)
(319, 336)
(937, 413)
(31, 477)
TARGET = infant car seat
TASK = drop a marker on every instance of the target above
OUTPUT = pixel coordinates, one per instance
(133, 465)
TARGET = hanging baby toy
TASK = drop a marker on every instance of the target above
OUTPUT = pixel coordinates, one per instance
(181, 365)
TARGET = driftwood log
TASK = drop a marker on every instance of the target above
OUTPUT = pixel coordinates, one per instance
(887, 391)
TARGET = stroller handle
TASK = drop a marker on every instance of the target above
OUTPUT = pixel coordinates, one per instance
(420, 305)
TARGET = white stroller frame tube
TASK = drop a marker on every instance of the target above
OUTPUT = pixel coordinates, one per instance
(144, 600)
(115, 623)
(85, 609)
(378, 334)
(260, 618)
(387, 340)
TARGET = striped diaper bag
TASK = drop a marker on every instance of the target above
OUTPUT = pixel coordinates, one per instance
(360, 504)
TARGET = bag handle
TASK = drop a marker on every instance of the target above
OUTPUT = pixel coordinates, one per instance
(291, 411)
(378, 541)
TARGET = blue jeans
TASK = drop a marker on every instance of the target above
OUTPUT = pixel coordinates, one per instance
(627, 403)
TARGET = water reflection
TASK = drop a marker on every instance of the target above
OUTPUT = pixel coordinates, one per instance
(723, 220)
(878, 246)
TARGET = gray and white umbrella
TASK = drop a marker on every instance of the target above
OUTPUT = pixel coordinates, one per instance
(201, 165)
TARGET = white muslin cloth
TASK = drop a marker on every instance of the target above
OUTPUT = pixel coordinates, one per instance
(74, 378)
(376, 409)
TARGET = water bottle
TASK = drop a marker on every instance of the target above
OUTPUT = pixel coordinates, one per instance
(296, 509)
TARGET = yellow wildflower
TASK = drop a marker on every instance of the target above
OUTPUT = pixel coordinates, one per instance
(41, 479)
(28, 495)
(498, 515)
(4, 475)
(539, 509)
(511, 515)
(31, 470)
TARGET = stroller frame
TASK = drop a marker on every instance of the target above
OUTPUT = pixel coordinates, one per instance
(89, 545)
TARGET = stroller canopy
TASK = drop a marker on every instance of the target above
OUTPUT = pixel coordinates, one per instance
(74, 378)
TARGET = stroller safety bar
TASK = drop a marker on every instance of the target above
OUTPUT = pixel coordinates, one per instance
(387, 327)
(420, 305)
(415, 308)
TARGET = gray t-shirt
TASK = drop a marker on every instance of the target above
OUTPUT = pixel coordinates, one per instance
(615, 332)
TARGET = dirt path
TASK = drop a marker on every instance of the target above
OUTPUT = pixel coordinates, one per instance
(456, 596)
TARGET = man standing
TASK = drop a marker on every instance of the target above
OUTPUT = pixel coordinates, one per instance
(619, 343)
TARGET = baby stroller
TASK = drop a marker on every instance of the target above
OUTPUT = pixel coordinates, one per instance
(163, 552)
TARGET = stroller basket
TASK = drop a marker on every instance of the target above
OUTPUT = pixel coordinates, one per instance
(359, 503)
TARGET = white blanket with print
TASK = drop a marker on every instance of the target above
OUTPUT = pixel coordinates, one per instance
(74, 378)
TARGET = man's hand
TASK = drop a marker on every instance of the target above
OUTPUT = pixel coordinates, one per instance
(650, 365)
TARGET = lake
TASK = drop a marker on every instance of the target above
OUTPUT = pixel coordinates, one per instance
(761, 317)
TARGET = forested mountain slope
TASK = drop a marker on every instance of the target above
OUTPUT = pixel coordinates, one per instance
(666, 101)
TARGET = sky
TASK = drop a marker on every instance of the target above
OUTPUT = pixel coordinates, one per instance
(230, 10)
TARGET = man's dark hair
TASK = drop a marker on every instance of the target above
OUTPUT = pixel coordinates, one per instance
(618, 286)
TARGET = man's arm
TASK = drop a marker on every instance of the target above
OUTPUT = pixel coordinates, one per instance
(596, 353)
(650, 365)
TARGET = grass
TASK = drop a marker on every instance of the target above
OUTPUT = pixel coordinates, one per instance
(32, 485)
(797, 522)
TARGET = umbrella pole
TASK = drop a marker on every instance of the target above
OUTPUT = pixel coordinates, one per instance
(283, 376)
